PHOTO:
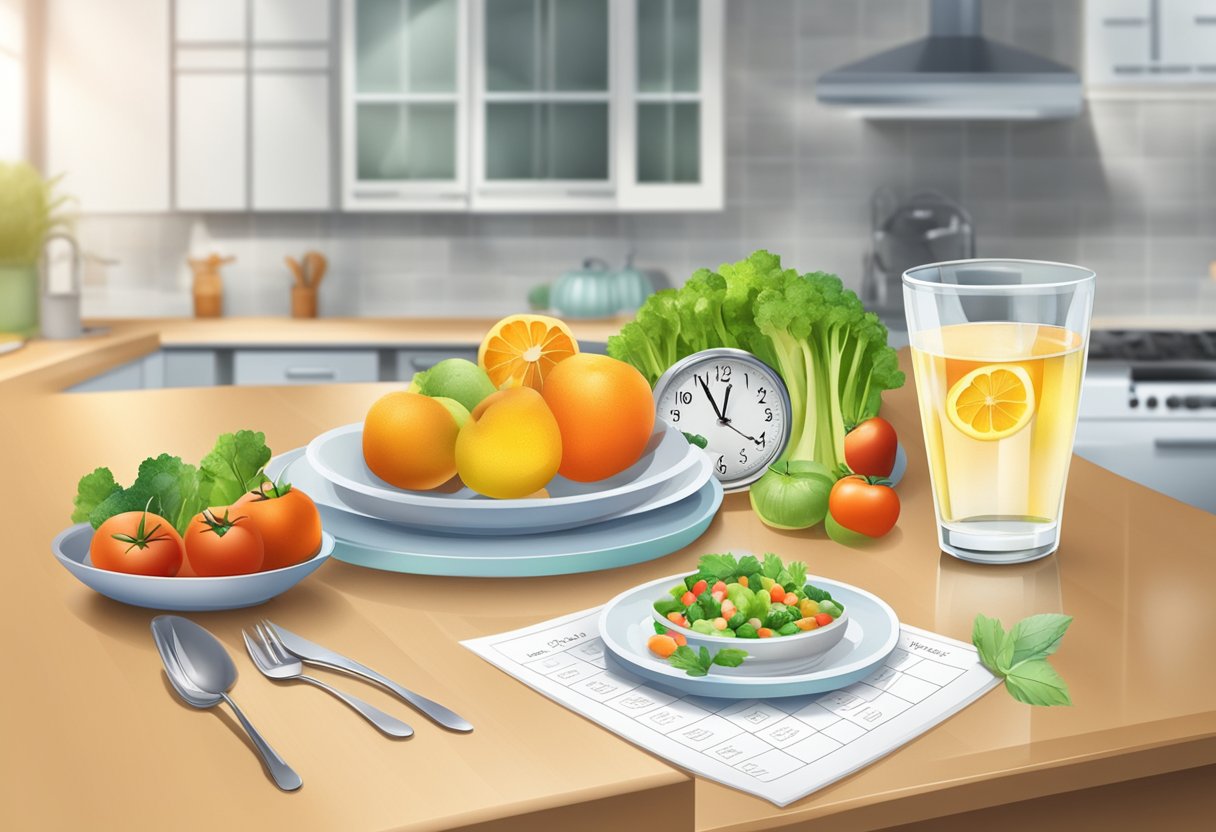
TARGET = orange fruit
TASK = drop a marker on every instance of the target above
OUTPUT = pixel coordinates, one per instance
(991, 402)
(521, 350)
(510, 446)
(409, 440)
(605, 411)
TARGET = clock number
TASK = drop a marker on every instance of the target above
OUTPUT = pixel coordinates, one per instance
(684, 397)
(760, 439)
(746, 383)
(675, 415)
(768, 414)
(761, 393)
(722, 373)
(743, 456)
(721, 466)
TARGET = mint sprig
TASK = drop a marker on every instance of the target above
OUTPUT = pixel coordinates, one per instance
(1020, 656)
(696, 663)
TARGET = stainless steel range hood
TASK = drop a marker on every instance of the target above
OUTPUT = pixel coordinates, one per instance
(955, 73)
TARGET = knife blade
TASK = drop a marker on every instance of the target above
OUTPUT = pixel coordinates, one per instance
(314, 653)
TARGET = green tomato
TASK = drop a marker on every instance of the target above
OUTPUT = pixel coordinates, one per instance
(793, 494)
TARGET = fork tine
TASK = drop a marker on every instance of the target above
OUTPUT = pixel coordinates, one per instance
(272, 644)
(273, 638)
(256, 651)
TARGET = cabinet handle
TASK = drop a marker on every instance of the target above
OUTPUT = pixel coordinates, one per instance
(311, 372)
(405, 196)
(1195, 444)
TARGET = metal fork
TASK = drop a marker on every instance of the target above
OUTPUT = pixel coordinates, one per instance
(276, 663)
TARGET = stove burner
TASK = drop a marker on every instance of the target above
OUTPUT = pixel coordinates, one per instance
(1138, 346)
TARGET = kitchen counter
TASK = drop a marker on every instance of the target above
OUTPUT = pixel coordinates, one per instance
(94, 737)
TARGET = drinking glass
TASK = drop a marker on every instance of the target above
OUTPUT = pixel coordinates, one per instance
(998, 351)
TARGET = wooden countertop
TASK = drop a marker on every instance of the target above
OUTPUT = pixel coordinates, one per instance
(94, 737)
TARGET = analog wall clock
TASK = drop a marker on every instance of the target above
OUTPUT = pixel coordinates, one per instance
(736, 402)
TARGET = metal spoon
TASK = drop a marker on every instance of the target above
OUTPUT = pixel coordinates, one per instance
(202, 673)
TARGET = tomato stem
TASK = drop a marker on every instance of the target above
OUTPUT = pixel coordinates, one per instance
(141, 539)
(219, 526)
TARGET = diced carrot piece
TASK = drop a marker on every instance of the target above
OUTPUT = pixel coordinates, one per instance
(688, 599)
(662, 646)
(679, 639)
(790, 600)
(720, 586)
(728, 609)
(742, 580)
(823, 619)
(718, 596)
(699, 587)
(676, 618)
(807, 624)
(777, 593)
(764, 632)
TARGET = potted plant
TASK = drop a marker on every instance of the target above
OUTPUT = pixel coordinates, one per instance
(29, 211)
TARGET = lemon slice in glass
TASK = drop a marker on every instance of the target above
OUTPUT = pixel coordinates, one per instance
(991, 402)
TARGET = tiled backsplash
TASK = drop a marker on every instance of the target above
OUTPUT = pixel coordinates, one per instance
(1128, 189)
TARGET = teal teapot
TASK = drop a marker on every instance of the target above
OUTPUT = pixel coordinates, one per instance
(589, 292)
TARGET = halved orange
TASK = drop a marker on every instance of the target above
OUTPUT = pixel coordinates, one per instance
(991, 402)
(520, 350)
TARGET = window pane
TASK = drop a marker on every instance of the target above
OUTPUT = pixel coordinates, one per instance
(580, 44)
(513, 133)
(432, 46)
(669, 142)
(513, 55)
(652, 46)
(406, 141)
(579, 140)
(685, 45)
(377, 48)
(668, 45)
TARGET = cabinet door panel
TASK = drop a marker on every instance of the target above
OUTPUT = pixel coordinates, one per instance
(513, 45)
(546, 141)
(406, 141)
(579, 41)
(211, 142)
(278, 21)
(406, 46)
(210, 20)
(291, 151)
(431, 46)
(669, 142)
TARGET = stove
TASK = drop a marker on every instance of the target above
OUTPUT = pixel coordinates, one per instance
(1148, 410)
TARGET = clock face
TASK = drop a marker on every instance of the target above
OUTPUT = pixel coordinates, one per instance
(734, 400)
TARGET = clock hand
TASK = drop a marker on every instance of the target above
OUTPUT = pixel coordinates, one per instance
(712, 403)
(736, 430)
(726, 403)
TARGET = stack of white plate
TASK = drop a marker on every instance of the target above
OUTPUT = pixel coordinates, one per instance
(658, 505)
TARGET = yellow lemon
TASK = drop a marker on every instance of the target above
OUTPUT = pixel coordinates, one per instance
(510, 447)
(991, 402)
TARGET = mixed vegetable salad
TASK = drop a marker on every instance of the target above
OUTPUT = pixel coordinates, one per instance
(742, 598)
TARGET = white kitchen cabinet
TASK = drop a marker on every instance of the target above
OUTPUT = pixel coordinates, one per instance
(211, 162)
(107, 103)
(275, 367)
(253, 127)
(190, 368)
(405, 105)
(291, 148)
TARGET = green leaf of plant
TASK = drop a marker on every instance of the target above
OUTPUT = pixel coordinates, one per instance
(988, 636)
(797, 571)
(235, 464)
(685, 659)
(748, 565)
(1038, 636)
(91, 491)
(816, 594)
(720, 566)
(660, 629)
(704, 659)
(730, 657)
(1036, 682)
(772, 566)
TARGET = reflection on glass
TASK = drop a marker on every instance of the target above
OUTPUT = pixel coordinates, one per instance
(406, 141)
(546, 141)
(669, 146)
(580, 45)
(668, 45)
(513, 55)
(546, 45)
(404, 46)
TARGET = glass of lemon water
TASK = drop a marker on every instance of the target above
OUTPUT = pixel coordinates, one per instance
(998, 351)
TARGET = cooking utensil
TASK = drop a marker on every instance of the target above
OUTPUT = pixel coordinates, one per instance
(631, 287)
(202, 673)
(315, 265)
(588, 292)
(208, 285)
(276, 663)
(297, 271)
(313, 653)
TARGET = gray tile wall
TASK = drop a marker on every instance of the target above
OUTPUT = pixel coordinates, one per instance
(1128, 189)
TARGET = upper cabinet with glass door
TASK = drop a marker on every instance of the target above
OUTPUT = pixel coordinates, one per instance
(405, 108)
(543, 102)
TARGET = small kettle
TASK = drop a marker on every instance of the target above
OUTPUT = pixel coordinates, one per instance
(589, 292)
(60, 312)
(632, 287)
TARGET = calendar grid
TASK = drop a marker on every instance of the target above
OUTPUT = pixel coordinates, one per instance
(779, 749)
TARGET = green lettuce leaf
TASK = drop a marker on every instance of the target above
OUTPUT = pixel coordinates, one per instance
(234, 466)
(92, 491)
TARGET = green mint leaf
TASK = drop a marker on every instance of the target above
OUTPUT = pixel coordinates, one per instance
(694, 613)
(704, 659)
(730, 657)
(748, 565)
(993, 644)
(666, 605)
(710, 607)
(816, 594)
(91, 491)
(1036, 682)
(1038, 636)
(660, 629)
(797, 571)
(720, 566)
(685, 659)
(772, 566)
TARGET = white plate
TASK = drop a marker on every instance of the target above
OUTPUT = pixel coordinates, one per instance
(338, 457)
(71, 548)
(871, 635)
(614, 543)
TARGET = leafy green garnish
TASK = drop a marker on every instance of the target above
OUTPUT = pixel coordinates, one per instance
(666, 605)
(698, 663)
(797, 571)
(1020, 656)
(772, 566)
(696, 439)
(720, 566)
(173, 489)
(748, 565)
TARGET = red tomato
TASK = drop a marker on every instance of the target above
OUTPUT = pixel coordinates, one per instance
(223, 546)
(823, 619)
(699, 587)
(864, 506)
(870, 448)
(688, 599)
(288, 521)
(138, 543)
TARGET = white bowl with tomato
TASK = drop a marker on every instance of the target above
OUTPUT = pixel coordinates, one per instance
(229, 557)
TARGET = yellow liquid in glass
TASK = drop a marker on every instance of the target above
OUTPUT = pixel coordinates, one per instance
(1007, 469)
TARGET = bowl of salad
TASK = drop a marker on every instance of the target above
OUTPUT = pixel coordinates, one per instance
(761, 605)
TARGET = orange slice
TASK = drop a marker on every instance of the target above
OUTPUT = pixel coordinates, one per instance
(992, 402)
(520, 350)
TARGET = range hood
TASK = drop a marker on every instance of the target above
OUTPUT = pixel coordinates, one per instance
(955, 73)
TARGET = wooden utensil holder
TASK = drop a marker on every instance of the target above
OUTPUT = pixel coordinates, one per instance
(303, 302)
